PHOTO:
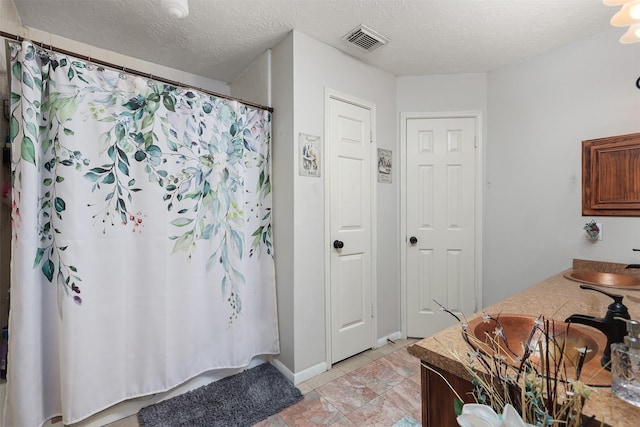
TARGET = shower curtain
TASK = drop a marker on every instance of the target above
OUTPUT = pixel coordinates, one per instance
(142, 251)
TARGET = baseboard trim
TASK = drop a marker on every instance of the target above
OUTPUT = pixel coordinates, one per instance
(385, 340)
(302, 376)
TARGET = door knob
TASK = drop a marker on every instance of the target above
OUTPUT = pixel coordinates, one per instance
(413, 240)
(338, 244)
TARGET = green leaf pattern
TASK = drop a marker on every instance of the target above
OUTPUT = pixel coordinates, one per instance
(209, 157)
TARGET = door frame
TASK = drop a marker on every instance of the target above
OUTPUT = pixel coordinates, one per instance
(478, 203)
(339, 96)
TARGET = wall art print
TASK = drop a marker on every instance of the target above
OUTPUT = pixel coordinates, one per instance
(384, 165)
(309, 155)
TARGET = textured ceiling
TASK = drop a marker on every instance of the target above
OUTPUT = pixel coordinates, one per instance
(220, 38)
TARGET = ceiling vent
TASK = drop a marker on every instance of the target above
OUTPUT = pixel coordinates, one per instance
(365, 38)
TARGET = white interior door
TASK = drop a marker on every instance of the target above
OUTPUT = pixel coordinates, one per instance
(440, 221)
(350, 181)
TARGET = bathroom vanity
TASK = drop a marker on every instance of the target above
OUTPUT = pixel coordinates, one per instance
(557, 298)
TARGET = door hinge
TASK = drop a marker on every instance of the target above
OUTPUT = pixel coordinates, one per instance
(372, 316)
(475, 142)
(371, 136)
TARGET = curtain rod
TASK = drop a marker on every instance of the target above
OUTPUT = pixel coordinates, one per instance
(129, 70)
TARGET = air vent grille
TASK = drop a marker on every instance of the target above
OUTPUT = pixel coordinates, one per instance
(365, 38)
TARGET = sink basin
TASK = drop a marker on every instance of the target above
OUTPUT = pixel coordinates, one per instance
(608, 280)
(517, 329)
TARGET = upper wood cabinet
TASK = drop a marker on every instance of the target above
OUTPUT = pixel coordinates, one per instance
(611, 176)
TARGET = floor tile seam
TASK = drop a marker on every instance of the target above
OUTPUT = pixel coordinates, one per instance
(382, 400)
(407, 400)
(337, 410)
(326, 404)
(377, 395)
(392, 369)
(396, 363)
(339, 372)
(403, 355)
(356, 367)
(402, 369)
(351, 379)
(338, 420)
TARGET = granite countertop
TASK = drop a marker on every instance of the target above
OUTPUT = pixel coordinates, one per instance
(557, 298)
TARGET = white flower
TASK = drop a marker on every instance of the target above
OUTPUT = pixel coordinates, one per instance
(485, 317)
(476, 415)
(511, 418)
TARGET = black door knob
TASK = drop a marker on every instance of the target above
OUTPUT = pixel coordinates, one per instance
(338, 244)
(413, 240)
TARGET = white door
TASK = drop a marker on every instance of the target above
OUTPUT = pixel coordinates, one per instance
(350, 176)
(440, 221)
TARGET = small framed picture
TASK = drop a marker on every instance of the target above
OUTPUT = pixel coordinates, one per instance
(308, 155)
(384, 165)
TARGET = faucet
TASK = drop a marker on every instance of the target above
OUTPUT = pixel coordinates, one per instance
(633, 265)
(611, 324)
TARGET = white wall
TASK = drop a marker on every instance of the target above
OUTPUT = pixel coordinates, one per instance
(539, 113)
(316, 67)
(443, 93)
(451, 92)
(254, 83)
(283, 212)
(299, 214)
(9, 23)
(446, 93)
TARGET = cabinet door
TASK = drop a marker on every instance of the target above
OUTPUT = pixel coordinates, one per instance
(437, 397)
(611, 176)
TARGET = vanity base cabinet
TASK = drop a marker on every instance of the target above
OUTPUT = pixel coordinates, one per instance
(437, 397)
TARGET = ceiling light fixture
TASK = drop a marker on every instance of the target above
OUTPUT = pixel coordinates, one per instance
(175, 8)
(632, 35)
(628, 15)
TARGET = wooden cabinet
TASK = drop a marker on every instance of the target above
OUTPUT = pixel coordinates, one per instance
(437, 397)
(611, 176)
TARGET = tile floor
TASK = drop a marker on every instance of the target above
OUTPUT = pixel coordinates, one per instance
(379, 387)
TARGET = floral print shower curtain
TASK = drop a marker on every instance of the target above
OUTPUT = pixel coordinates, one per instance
(142, 250)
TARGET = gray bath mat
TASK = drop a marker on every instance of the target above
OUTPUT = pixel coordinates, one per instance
(239, 400)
